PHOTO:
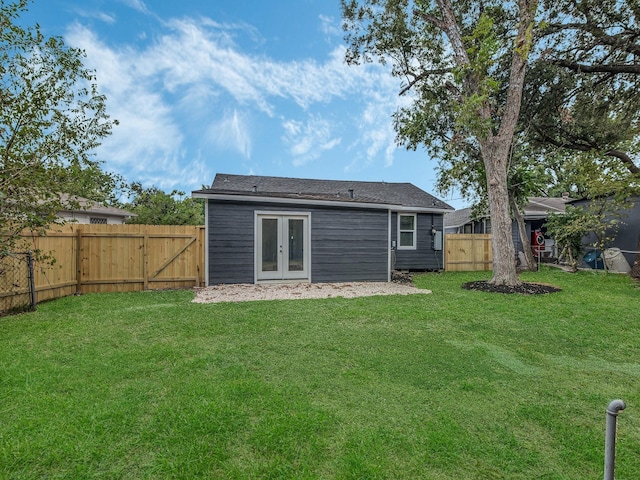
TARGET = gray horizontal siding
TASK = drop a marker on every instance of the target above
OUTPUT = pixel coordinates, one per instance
(349, 245)
(346, 244)
(424, 257)
(230, 243)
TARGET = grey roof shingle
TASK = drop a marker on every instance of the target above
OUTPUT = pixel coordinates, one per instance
(536, 207)
(401, 194)
(89, 206)
(457, 218)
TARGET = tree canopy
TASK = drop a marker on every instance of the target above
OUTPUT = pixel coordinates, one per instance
(583, 84)
(497, 86)
(52, 117)
(464, 64)
(153, 206)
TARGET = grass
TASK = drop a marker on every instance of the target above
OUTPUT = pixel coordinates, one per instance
(458, 384)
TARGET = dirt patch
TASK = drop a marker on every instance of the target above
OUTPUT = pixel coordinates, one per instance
(523, 288)
(246, 292)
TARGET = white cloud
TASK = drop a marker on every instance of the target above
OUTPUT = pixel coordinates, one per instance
(147, 136)
(138, 5)
(167, 94)
(329, 26)
(232, 133)
(307, 141)
(102, 16)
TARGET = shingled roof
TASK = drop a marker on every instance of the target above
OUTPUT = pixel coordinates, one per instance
(536, 208)
(379, 193)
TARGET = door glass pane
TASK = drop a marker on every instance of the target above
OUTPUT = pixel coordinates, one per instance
(270, 245)
(296, 242)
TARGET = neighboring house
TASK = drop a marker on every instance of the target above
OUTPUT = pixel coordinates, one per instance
(462, 221)
(274, 229)
(628, 234)
(535, 214)
(91, 212)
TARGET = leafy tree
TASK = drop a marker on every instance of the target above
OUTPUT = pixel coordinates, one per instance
(51, 119)
(568, 230)
(605, 184)
(465, 63)
(91, 182)
(156, 207)
(582, 90)
(492, 81)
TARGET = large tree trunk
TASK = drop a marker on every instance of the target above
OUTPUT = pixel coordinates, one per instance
(522, 229)
(495, 153)
(495, 146)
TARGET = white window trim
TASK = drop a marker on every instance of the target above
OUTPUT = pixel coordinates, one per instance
(414, 231)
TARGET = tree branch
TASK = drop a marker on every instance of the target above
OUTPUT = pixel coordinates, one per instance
(582, 68)
(422, 76)
(620, 155)
(449, 26)
(521, 49)
(626, 159)
(430, 19)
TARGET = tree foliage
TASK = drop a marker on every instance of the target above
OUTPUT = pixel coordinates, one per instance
(153, 206)
(51, 119)
(583, 84)
(464, 64)
(506, 91)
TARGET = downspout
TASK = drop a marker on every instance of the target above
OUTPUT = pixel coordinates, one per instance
(389, 253)
(206, 242)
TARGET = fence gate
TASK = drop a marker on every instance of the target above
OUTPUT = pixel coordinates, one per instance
(467, 252)
(17, 289)
(134, 261)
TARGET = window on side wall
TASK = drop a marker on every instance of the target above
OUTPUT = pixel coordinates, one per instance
(407, 226)
(98, 220)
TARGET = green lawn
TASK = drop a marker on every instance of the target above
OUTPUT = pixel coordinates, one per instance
(453, 385)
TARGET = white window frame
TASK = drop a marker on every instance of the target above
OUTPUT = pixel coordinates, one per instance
(297, 277)
(414, 231)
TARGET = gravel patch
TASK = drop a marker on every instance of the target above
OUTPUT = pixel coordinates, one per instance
(245, 292)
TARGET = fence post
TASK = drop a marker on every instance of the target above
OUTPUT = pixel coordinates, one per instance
(79, 260)
(145, 261)
(32, 282)
(614, 408)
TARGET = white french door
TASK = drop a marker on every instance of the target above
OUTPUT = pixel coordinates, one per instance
(282, 247)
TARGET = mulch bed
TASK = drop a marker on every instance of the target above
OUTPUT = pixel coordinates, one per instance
(523, 288)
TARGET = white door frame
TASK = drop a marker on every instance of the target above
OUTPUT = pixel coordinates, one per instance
(282, 273)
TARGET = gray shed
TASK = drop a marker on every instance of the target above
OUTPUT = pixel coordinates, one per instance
(273, 229)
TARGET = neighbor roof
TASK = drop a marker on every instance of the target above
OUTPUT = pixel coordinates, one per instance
(310, 190)
(536, 208)
(541, 206)
(89, 206)
(457, 218)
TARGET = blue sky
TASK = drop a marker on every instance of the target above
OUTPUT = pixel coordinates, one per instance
(233, 86)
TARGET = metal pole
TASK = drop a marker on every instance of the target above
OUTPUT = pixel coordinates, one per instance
(614, 408)
(32, 282)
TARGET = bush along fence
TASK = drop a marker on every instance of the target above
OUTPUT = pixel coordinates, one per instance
(17, 287)
(74, 259)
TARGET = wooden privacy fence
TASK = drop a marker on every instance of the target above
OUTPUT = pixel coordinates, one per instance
(467, 252)
(117, 258)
